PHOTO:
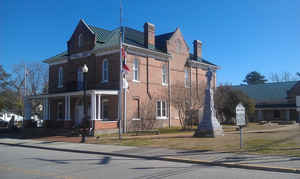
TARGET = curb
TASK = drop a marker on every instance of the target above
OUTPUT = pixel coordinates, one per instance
(234, 165)
(170, 159)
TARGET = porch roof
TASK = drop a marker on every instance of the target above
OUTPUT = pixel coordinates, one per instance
(75, 93)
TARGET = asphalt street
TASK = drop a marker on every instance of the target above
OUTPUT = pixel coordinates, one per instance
(20, 162)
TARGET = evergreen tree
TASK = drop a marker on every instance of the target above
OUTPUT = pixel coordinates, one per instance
(254, 77)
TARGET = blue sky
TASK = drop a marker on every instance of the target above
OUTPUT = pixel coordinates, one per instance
(239, 36)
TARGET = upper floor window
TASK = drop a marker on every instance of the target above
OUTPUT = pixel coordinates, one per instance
(60, 77)
(186, 78)
(161, 109)
(164, 74)
(79, 79)
(135, 70)
(105, 71)
(80, 40)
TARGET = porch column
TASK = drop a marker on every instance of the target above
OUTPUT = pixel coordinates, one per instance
(67, 107)
(287, 114)
(260, 115)
(99, 106)
(27, 109)
(93, 106)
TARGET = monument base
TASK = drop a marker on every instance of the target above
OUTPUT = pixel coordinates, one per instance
(209, 127)
(208, 133)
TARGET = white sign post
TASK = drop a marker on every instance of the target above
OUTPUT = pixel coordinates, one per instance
(240, 120)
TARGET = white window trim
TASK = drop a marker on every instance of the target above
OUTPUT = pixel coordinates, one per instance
(187, 78)
(136, 81)
(103, 71)
(134, 68)
(166, 111)
(136, 119)
(164, 67)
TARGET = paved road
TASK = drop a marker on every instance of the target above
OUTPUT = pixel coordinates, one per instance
(20, 162)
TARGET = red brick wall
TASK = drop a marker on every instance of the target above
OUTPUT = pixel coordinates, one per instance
(94, 75)
(89, 39)
(105, 125)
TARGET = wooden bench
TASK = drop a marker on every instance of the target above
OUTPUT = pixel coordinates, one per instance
(154, 131)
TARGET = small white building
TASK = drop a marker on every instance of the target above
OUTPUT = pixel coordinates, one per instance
(7, 116)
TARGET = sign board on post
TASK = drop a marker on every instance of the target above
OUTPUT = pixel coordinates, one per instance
(240, 115)
(240, 120)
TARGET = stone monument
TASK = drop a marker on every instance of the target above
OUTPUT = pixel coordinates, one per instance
(209, 126)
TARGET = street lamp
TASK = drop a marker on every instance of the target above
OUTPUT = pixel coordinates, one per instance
(84, 70)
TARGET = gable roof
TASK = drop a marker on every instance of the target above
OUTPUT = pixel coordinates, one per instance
(109, 38)
(268, 92)
(161, 41)
(192, 57)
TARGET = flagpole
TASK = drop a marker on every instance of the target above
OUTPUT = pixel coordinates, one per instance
(125, 101)
(121, 76)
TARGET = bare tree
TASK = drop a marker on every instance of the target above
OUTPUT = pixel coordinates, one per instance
(147, 113)
(283, 77)
(186, 101)
(36, 80)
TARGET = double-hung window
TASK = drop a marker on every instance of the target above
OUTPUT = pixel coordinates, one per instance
(186, 78)
(135, 70)
(161, 110)
(105, 71)
(164, 75)
(60, 77)
(79, 79)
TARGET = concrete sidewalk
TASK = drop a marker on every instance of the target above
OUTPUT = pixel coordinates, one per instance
(258, 162)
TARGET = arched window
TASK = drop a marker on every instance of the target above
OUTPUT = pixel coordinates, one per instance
(105, 71)
(79, 79)
(135, 70)
(60, 83)
(164, 74)
(80, 40)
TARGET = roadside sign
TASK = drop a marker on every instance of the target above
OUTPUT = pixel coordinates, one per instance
(240, 115)
(240, 120)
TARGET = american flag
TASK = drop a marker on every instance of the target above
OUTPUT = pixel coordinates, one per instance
(125, 67)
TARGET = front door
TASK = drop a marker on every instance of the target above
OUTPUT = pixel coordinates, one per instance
(78, 114)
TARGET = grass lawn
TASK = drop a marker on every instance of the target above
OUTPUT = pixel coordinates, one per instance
(283, 142)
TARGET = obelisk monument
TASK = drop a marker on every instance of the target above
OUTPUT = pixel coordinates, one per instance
(209, 126)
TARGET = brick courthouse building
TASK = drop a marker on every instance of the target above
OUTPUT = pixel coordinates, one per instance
(155, 62)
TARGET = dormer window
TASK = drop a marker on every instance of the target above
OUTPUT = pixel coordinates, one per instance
(80, 40)
(60, 77)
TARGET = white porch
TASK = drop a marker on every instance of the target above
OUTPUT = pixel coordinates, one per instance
(65, 110)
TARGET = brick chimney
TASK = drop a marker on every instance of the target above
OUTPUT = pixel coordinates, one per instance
(197, 49)
(149, 35)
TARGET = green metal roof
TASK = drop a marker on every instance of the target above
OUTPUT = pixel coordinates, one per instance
(101, 34)
(268, 92)
(107, 38)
